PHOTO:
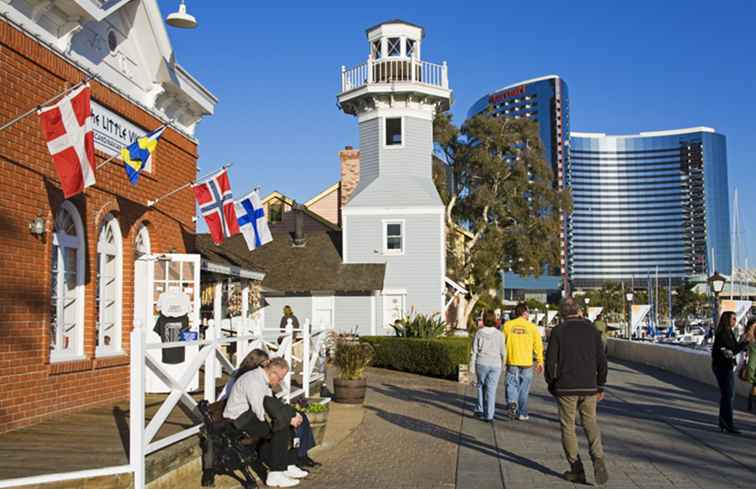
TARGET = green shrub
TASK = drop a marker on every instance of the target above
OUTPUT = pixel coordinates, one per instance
(436, 357)
(420, 326)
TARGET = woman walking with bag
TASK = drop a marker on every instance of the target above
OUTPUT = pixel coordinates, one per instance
(750, 366)
(488, 356)
(723, 356)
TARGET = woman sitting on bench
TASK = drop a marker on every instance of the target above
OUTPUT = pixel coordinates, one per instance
(251, 399)
(304, 439)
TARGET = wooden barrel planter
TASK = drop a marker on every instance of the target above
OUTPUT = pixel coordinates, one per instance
(349, 391)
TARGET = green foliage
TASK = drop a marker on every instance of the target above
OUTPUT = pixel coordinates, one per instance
(306, 406)
(686, 302)
(352, 358)
(436, 357)
(420, 326)
(611, 297)
(502, 190)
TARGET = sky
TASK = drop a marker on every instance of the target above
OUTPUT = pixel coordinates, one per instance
(630, 67)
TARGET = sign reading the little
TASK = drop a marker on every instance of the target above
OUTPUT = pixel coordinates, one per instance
(112, 132)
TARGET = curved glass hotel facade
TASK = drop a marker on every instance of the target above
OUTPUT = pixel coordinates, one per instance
(544, 100)
(654, 201)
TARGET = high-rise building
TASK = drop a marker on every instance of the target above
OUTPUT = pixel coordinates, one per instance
(647, 203)
(544, 100)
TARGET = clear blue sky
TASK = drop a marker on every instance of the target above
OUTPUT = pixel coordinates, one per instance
(630, 66)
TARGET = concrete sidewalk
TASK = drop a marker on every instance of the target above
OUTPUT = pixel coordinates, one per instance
(659, 432)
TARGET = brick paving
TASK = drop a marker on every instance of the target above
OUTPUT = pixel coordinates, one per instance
(659, 433)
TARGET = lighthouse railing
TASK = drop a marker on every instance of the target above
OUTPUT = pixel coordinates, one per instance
(393, 70)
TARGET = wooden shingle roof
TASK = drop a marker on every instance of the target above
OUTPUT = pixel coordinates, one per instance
(316, 266)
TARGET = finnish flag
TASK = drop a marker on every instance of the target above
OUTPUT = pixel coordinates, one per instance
(252, 222)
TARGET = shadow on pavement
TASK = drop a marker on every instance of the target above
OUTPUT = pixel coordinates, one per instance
(421, 426)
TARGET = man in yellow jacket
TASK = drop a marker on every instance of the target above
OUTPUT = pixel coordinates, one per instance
(524, 345)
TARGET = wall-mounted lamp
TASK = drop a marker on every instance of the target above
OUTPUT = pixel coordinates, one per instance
(38, 226)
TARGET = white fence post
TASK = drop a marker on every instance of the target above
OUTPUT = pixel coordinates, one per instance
(306, 367)
(210, 335)
(136, 406)
(444, 76)
(287, 356)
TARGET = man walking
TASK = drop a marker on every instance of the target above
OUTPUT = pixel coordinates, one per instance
(523, 345)
(576, 373)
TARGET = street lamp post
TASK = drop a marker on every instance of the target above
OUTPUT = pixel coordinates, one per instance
(629, 297)
(716, 283)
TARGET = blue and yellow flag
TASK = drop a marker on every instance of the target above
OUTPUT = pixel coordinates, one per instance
(136, 156)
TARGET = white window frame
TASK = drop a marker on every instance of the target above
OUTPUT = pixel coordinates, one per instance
(385, 132)
(388, 47)
(61, 240)
(112, 249)
(386, 250)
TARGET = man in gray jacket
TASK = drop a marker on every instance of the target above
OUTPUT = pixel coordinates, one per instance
(488, 356)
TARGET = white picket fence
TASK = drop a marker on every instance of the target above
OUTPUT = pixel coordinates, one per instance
(249, 335)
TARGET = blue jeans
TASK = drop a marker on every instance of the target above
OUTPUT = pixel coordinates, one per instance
(726, 381)
(518, 387)
(488, 379)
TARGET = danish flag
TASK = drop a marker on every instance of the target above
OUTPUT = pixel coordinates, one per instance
(217, 206)
(67, 127)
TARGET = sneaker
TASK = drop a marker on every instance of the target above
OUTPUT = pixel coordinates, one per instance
(306, 461)
(279, 479)
(478, 414)
(523, 417)
(295, 472)
(576, 472)
(599, 472)
(512, 410)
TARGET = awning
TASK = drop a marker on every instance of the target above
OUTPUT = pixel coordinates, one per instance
(230, 270)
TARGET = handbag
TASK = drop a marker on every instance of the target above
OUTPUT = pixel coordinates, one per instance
(743, 373)
(743, 368)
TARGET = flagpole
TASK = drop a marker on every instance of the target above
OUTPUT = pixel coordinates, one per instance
(152, 203)
(106, 161)
(49, 101)
(166, 125)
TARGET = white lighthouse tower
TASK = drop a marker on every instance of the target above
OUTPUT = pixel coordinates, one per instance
(395, 215)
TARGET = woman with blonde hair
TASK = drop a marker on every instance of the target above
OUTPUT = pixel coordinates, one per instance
(750, 366)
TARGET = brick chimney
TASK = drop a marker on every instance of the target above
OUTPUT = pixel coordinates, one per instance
(350, 174)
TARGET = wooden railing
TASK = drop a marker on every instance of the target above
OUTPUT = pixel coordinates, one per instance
(247, 335)
(394, 71)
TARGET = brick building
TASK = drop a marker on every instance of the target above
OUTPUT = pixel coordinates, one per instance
(68, 296)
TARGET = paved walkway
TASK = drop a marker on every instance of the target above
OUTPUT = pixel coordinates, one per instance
(659, 432)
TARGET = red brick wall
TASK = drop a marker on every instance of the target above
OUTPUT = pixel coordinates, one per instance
(31, 388)
(350, 174)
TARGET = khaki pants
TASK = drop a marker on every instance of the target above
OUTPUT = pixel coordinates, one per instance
(569, 406)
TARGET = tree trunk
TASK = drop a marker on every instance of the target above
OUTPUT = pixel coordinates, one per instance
(469, 308)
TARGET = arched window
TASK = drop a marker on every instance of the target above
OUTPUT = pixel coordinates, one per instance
(67, 288)
(109, 280)
(142, 242)
(142, 281)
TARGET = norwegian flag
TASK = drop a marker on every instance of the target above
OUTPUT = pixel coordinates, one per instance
(67, 128)
(217, 206)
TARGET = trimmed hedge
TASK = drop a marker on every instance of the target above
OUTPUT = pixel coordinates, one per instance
(436, 357)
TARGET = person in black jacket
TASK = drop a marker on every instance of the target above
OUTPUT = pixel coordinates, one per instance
(575, 372)
(723, 353)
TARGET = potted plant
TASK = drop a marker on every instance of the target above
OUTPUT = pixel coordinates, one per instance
(351, 358)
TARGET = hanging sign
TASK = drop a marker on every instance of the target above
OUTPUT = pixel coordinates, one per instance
(112, 132)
